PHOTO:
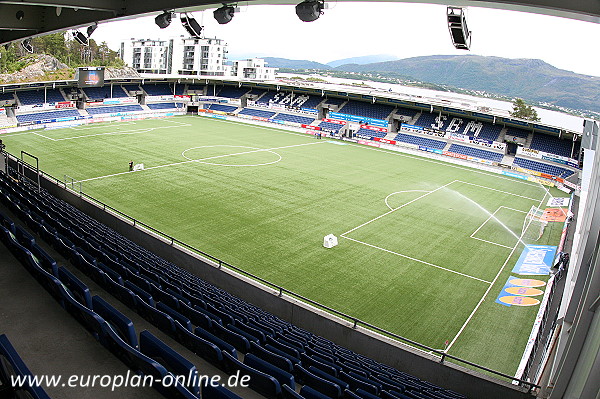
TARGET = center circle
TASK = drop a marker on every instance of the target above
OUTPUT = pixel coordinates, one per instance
(231, 155)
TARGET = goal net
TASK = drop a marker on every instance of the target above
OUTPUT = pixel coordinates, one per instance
(533, 225)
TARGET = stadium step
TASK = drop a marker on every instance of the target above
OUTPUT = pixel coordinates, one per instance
(390, 136)
(508, 159)
(447, 146)
(413, 120)
(501, 135)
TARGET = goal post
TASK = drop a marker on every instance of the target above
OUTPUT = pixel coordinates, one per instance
(533, 225)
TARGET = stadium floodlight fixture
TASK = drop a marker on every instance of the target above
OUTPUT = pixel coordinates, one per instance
(191, 26)
(224, 14)
(457, 25)
(163, 20)
(310, 10)
(91, 29)
(26, 44)
(80, 38)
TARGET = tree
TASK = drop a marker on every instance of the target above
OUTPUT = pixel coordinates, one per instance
(523, 111)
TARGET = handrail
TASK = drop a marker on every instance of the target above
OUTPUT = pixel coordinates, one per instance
(281, 290)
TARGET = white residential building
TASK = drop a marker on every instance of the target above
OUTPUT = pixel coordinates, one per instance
(253, 68)
(183, 56)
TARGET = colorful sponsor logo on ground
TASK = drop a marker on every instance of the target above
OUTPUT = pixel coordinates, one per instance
(554, 202)
(513, 293)
(535, 260)
(524, 291)
(510, 300)
(526, 282)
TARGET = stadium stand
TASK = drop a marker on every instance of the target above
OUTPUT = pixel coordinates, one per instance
(158, 89)
(196, 87)
(294, 118)
(257, 92)
(257, 112)
(99, 93)
(368, 133)
(232, 92)
(423, 141)
(335, 127)
(476, 152)
(542, 167)
(411, 113)
(7, 96)
(427, 119)
(31, 97)
(164, 105)
(335, 101)
(179, 89)
(40, 116)
(551, 144)
(132, 87)
(114, 109)
(515, 131)
(221, 107)
(276, 352)
(480, 130)
(358, 108)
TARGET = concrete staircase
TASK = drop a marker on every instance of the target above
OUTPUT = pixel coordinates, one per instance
(508, 159)
(502, 135)
(390, 136)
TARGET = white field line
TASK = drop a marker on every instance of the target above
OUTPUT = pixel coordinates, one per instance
(487, 220)
(142, 130)
(395, 209)
(399, 192)
(494, 189)
(417, 260)
(491, 242)
(196, 160)
(45, 137)
(491, 285)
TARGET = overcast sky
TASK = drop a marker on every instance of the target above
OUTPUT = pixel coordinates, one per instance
(400, 29)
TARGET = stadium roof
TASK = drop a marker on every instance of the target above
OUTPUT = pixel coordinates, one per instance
(22, 19)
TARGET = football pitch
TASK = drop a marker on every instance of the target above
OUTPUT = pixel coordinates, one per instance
(425, 247)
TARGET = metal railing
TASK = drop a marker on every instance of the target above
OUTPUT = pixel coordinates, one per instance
(281, 290)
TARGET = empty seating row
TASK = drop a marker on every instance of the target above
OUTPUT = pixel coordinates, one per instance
(476, 152)
(198, 88)
(294, 118)
(423, 141)
(100, 93)
(7, 96)
(213, 323)
(42, 116)
(332, 127)
(221, 107)
(368, 133)
(158, 89)
(164, 105)
(551, 144)
(232, 92)
(542, 167)
(335, 100)
(411, 113)
(516, 132)
(257, 112)
(368, 110)
(114, 109)
(131, 87)
(32, 97)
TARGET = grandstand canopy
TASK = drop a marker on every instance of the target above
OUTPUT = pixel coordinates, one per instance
(22, 19)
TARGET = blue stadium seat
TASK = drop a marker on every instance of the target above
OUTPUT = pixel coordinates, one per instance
(114, 109)
(282, 376)
(48, 115)
(422, 141)
(331, 127)
(11, 365)
(542, 167)
(294, 118)
(158, 89)
(162, 106)
(476, 152)
(261, 382)
(122, 325)
(369, 110)
(221, 107)
(218, 392)
(232, 92)
(551, 144)
(257, 112)
(369, 134)
(33, 97)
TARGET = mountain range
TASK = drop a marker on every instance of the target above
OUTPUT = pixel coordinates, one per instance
(531, 79)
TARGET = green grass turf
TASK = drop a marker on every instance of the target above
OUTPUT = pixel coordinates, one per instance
(414, 271)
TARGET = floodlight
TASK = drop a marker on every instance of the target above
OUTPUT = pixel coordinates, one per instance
(91, 29)
(26, 44)
(310, 10)
(457, 25)
(192, 26)
(163, 20)
(224, 14)
(80, 37)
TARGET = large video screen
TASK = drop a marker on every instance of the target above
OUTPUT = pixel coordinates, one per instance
(90, 76)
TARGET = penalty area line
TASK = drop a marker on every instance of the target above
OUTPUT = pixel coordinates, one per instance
(417, 260)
